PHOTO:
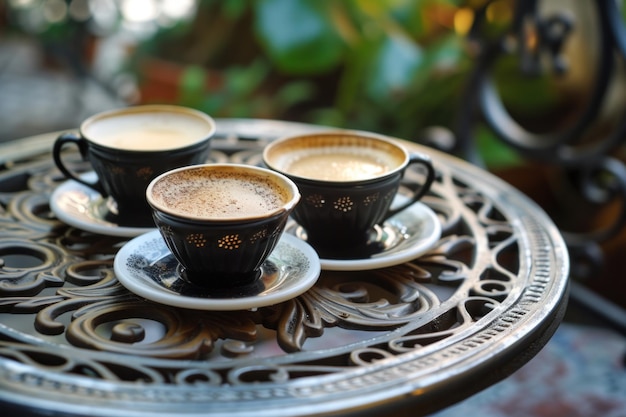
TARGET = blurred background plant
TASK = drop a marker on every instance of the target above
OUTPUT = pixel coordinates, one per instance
(390, 66)
(387, 66)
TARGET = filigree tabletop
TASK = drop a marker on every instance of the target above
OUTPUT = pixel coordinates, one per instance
(423, 334)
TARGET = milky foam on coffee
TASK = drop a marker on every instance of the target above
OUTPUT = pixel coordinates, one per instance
(148, 131)
(348, 163)
(212, 194)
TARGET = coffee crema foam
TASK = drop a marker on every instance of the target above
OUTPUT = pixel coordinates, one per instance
(141, 139)
(218, 195)
(148, 132)
(339, 164)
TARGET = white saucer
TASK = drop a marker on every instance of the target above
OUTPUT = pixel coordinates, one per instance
(146, 267)
(84, 208)
(401, 238)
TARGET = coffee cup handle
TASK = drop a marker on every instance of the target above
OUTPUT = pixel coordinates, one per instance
(421, 159)
(81, 143)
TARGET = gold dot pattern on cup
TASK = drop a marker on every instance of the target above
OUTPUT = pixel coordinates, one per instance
(371, 199)
(343, 204)
(229, 242)
(258, 235)
(145, 173)
(315, 200)
(196, 239)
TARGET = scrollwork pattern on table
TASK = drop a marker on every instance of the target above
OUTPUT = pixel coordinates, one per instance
(76, 301)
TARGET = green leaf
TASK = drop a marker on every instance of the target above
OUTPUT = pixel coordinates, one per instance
(298, 35)
(494, 152)
(394, 67)
(243, 81)
(234, 9)
(293, 93)
(191, 86)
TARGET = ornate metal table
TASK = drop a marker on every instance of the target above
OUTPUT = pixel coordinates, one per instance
(417, 336)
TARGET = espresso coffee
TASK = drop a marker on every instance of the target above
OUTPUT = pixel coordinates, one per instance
(221, 221)
(334, 157)
(208, 194)
(348, 181)
(148, 131)
(128, 147)
(340, 164)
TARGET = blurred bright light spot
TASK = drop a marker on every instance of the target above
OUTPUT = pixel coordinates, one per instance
(21, 3)
(463, 20)
(132, 19)
(531, 37)
(104, 13)
(139, 10)
(178, 9)
(55, 11)
(79, 10)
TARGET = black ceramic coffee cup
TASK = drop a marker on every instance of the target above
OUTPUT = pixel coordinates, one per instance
(221, 221)
(348, 181)
(129, 147)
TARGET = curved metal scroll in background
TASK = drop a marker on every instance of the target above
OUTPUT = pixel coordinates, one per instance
(584, 157)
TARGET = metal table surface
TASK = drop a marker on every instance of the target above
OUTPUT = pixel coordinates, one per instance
(414, 337)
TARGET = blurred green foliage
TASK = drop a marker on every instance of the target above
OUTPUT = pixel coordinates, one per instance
(390, 66)
(386, 65)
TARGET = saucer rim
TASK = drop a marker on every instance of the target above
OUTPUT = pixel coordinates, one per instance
(79, 220)
(154, 292)
(389, 258)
